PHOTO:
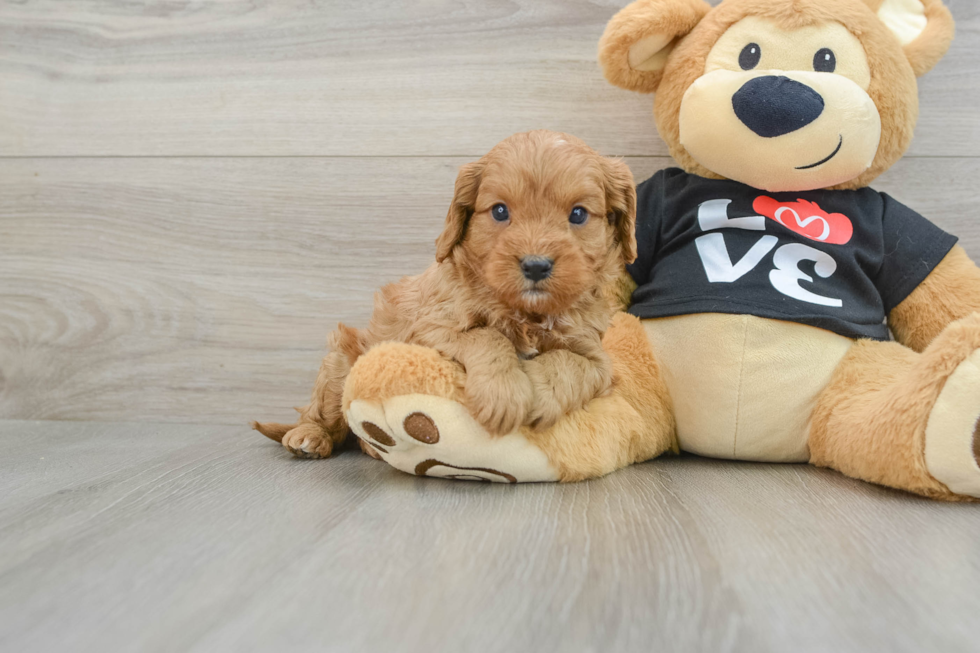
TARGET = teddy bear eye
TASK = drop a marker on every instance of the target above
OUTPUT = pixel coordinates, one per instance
(749, 57)
(500, 212)
(824, 61)
(578, 215)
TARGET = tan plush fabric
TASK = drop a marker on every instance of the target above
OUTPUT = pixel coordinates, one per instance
(951, 447)
(428, 435)
(663, 21)
(950, 292)
(743, 387)
(850, 129)
(395, 368)
(870, 421)
(931, 44)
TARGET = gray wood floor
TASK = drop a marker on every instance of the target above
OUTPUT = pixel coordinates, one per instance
(193, 193)
(125, 537)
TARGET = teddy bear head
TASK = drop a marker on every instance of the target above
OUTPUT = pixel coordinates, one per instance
(782, 95)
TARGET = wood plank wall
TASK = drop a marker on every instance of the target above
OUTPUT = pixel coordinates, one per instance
(193, 193)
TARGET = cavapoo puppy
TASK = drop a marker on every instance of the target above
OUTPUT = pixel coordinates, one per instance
(538, 233)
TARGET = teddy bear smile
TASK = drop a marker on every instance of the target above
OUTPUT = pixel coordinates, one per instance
(840, 143)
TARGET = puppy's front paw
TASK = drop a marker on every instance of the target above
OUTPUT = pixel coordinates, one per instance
(564, 382)
(557, 388)
(499, 404)
(308, 441)
(498, 416)
(544, 413)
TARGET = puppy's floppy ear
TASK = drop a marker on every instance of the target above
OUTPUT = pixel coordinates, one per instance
(634, 48)
(621, 205)
(464, 198)
(925, 29)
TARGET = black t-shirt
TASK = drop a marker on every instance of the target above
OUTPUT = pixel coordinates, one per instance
(838, 260)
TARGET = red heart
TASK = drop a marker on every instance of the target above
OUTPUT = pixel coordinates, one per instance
(806, 219)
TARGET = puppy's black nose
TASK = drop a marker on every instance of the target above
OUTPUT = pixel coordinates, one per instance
(536, 268)
(776, 105)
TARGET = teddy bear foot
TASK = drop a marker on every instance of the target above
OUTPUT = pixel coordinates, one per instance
(428, 435)
(403, 402)
(952, 447)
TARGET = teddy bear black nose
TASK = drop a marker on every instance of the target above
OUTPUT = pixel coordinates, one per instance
(776, 105)
(536, 268)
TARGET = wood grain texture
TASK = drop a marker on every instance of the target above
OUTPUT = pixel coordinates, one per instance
(197, 289)
(375, 77)
(207, 538)
(201, 290)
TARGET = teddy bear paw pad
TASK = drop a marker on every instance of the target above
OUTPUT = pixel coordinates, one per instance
(952, 448)
(433, 436)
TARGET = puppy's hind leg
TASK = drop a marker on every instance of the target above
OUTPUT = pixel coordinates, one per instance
(273, 430)
(321, 426)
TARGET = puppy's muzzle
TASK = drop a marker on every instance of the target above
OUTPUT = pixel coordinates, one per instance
(536, 268)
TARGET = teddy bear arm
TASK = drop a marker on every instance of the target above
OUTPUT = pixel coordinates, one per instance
(406, 402)
(949, 293)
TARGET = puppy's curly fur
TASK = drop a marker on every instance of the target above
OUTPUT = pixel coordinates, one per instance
(531, 349)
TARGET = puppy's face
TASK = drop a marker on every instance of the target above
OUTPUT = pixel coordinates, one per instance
(542, 219)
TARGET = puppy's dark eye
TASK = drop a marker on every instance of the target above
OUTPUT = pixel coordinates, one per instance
(578, 215)
(749, 57)
(500, 213)
(824, 61)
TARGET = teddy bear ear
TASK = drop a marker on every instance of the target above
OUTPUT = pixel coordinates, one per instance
(634, 48)
(924, 28)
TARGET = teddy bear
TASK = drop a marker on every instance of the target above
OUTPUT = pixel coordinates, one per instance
(768, 277)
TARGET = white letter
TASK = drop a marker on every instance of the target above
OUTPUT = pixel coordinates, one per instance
(718, 265)
(713, 214)
(787, 275)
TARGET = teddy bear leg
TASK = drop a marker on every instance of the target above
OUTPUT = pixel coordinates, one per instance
(405, 403)
(903, 419)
